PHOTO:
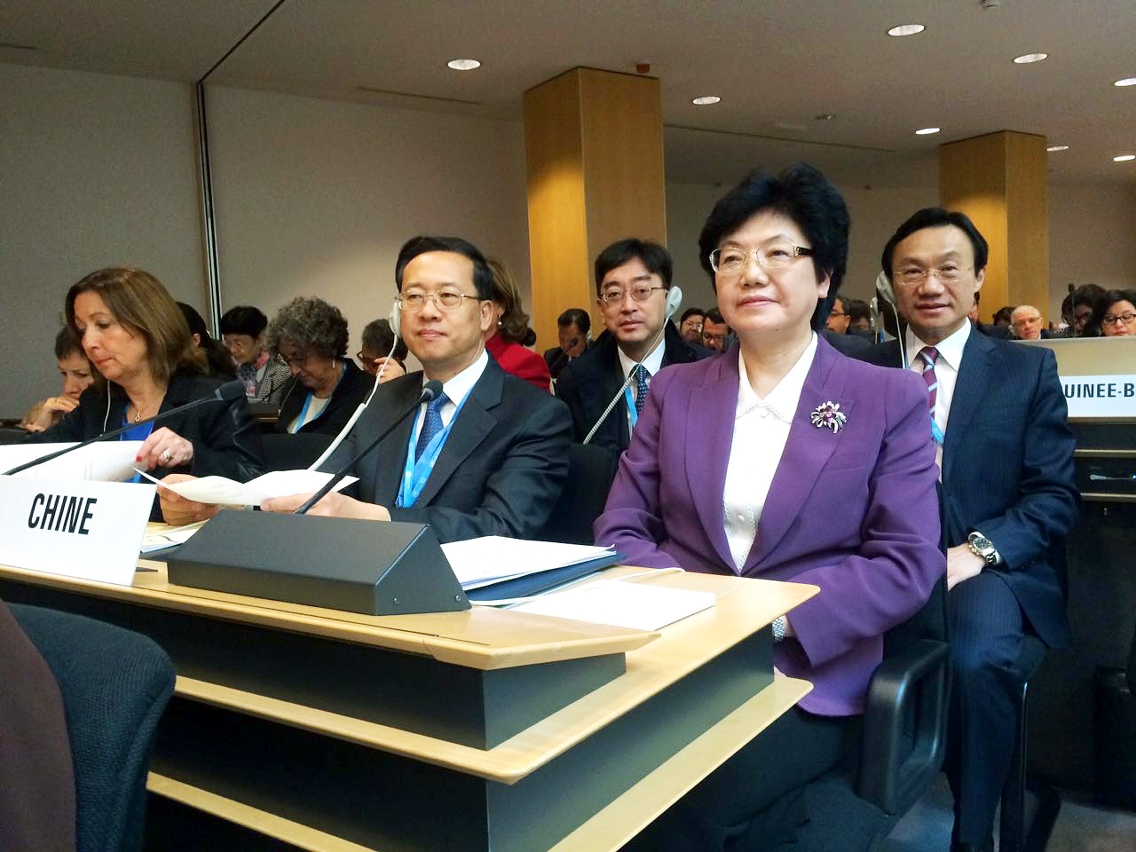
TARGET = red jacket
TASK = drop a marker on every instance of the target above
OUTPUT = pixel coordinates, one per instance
(521, 362)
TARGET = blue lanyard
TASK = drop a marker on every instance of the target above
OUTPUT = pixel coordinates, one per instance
(415, 474)
(631, 412)
(936, 432)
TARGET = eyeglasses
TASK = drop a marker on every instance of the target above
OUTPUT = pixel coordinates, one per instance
(640, 293)
(1119, 319)
(731, 261)
(298, 360)
(837, 314)
(446, 300)
(913, 276)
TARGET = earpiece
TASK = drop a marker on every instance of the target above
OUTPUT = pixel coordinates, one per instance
(674, 300)
(395, 319)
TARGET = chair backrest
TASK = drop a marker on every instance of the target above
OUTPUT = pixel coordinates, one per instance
(115, 685)
(591, 470)
(283, 451)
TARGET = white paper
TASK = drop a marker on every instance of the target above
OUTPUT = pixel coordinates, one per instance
(621, 604)
(102, 461)
(172, 537)
(222, 491)
(482, 561)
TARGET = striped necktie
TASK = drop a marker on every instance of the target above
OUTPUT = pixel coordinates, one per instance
(930, 355)
(432, 426)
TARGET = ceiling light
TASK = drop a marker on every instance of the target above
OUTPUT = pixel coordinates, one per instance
(926, 131)
(1027, 58)
(1127, 81)
(1057, 148)
(464, 64)
(706, 100)
(1124, 158)
(906, 30)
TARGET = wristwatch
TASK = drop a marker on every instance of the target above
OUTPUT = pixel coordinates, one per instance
(980, 545)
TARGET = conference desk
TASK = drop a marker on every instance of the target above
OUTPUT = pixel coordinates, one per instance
(486, 729)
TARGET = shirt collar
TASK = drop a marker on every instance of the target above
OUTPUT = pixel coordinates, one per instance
(458, 386)
(653, 362)
(782, 399)
(950, 348)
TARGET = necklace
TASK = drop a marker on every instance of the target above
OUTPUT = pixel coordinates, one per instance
(138, 411)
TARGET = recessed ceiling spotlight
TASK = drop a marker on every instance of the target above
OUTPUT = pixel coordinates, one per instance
(1057, 148)
(464, 64)
(1027, 58)
(706, 100)
(926, 131)
(906, 30)
(1124, 158)
(1127, 81)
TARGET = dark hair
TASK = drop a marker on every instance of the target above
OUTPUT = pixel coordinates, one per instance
(513, 324)
(139, 301)
(1107, 300)
(67, 344)
(577, 317)
(312, 324)
(1003, 314)
(482, 274)
(802, 194)
(691, 312)
(937, 217)
(378, 336)
(715, 316)
(220, 362)
(656, 258)
(1091, 295)
(244, 319)
(857, 309)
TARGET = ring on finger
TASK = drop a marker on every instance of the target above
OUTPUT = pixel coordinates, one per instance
(166, 457)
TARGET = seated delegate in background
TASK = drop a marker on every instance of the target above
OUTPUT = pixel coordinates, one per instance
(136, 337)
(489, 456)
(217, 360)
(715, 329)
(310, 336)
(690, 325)
(511, 331)
(1086, 319)
(574, 330)
(783, 459)
(1117, 313)
(264, 377)
(76, 373)
(378, 341)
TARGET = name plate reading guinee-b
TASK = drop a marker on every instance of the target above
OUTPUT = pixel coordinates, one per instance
(82, 529)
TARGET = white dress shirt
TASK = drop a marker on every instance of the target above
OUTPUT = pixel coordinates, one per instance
(455, 390)
(761, 428)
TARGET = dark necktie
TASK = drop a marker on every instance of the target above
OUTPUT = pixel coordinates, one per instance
(640, 387)
(432, 426)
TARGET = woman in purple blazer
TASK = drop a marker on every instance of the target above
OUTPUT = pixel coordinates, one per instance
(785, 460)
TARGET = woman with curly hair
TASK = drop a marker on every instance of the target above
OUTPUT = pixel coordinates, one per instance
(310, 336)
(512, 334)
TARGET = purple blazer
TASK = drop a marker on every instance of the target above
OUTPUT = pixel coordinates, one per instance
(854, 512)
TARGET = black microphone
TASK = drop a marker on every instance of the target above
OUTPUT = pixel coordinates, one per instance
(430, 391)
(225, 393)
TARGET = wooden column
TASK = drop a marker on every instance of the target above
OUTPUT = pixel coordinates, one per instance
(1000, 182)
(594, 160)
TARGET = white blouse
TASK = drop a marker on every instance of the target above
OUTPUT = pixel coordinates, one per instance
(761, 428)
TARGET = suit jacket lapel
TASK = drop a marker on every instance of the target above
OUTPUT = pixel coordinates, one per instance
(474, 421)
(387, 460)
(807, 451)
(974, 374)
(709, 435)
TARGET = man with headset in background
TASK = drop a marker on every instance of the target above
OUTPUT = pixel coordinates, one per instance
(634, 294)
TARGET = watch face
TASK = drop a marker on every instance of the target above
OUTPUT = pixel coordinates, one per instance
(980, 542)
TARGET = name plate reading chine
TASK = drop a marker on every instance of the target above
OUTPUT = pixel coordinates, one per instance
(86, 530)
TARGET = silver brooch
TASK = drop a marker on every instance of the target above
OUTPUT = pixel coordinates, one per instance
(828, 415)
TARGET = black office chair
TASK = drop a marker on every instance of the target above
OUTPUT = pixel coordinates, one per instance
(904, 735)
(283, 451)
(115, 685)
(591, 470)
(12, 435)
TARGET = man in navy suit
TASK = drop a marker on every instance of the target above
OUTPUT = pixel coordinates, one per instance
(487, 457)
(632, 279)
(998, 414)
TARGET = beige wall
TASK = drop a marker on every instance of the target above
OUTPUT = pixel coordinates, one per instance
(95, 171)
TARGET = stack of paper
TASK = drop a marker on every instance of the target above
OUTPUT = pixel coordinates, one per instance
(510, 567)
